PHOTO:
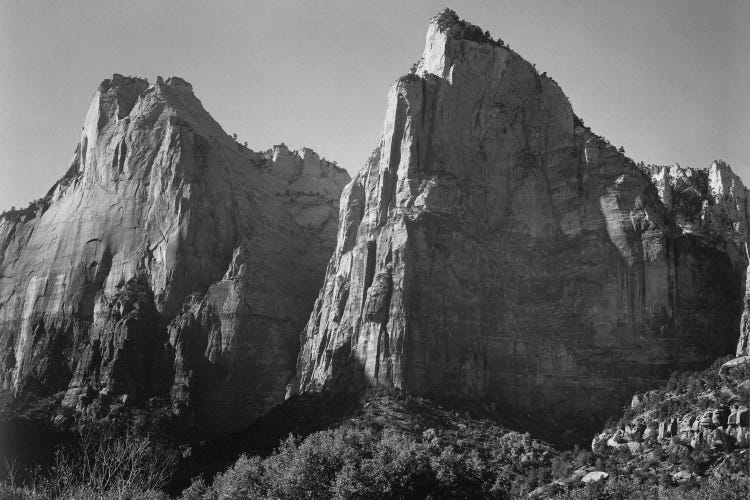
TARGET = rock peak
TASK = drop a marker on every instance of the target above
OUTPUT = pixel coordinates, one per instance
(119, 81)
(175, 82)
(128, 85)
(481, 200)
(450, 40)
(448, 22)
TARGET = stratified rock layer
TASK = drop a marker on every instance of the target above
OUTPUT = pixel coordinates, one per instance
(168, 261)
(495, 250)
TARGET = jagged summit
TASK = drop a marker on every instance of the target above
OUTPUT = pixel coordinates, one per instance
(121, 82)
(127, 103)
(121, 93)
(120, 97)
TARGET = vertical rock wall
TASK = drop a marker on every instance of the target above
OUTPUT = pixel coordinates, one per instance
(493, 250)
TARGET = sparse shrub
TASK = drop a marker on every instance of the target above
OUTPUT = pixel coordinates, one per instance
(562, 467)
(102, 465)
(583, 458)
(409, 78)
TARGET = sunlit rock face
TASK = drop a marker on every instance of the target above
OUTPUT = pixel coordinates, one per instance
(495, 250)
(169, 261)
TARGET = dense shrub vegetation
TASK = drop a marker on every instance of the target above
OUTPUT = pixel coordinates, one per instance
(398, 447)
(394, 446)
(404, 447)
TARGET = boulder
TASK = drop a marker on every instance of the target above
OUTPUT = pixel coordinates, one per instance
(739, 417)
(617, 439)
(720, 416)
(682, 476)
(736, 363)
(594, 477)
(706, 420)
(742, 438)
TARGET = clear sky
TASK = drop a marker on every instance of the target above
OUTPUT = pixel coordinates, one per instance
(667, 79)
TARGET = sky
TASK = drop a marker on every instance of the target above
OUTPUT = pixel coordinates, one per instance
(666, 79)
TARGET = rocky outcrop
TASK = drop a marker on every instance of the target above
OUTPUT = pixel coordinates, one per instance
(712, 203)
(494, 249)
(169, 261)
(722, 429)
(696, 411)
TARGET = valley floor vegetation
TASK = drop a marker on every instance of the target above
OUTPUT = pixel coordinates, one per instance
(395, 446)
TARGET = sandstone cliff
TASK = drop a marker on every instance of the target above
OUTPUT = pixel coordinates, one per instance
(493, 249)
(169, 262)
(712, 203)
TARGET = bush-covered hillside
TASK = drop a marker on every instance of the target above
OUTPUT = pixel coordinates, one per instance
(687, 439)
(399, 446)
(395, 446)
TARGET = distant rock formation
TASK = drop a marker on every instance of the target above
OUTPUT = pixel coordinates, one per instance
(169, 261)
(714, 204)
(696, 410)
(493, 249)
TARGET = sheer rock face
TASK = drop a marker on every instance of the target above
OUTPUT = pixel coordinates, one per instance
(743, 343)
(494, 250)
(169, 260)
(714, 204)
